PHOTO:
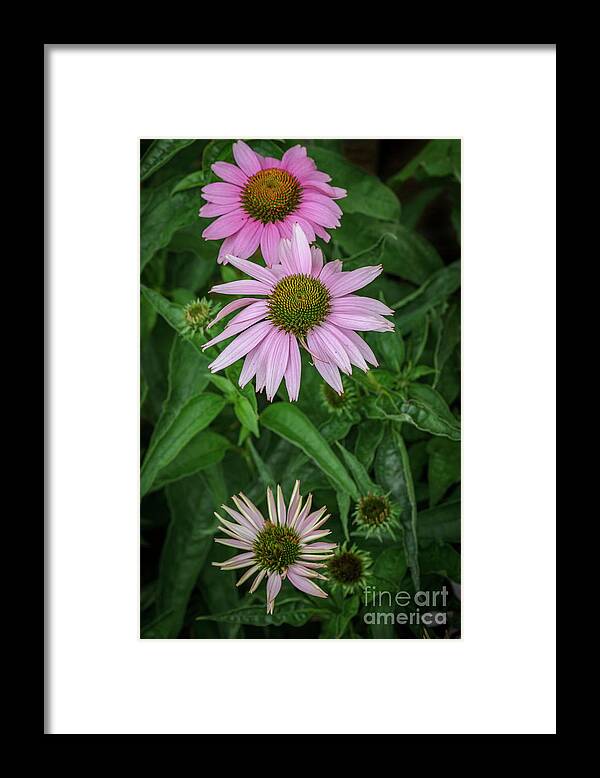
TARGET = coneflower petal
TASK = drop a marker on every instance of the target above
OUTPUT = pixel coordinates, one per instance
(234, 543)
(273, 589)
(242, 287)
(230, 173)
(293, 369)
(231, 307)
(271, 506)
(240, 346)
(247, 574)
(281, 509)
(277, 363)
(306, 586)
(253, 270)
(301, 251)
(248, 555)
(257, 580)
(361, 322)
(350, 281)
(246, 158)
(248, 511)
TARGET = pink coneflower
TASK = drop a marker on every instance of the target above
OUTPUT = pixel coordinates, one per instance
(286, 545)
(304, 302)
(260, 199)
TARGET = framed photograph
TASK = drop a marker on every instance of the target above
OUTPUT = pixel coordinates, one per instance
(300, 388)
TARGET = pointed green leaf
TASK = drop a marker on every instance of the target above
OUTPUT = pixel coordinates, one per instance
(434, 291)
(392, 468)
(163, 214)
(390, 566)
(192, 503)
(428, 411)
(187, 410)
(288, 610)
(357, 471)
(206, 449)
(343, 501)
(444, 467)
(401, 251)
(441, 523)
(438, 158)
(159, 153)
(335, 626)
(290, 423)
(441, 560)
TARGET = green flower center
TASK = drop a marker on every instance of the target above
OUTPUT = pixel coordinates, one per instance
(298, 303)
(197, 313)
(271, 195)
(276, 547)
(333, 398)
(346, 567)
(374, 509)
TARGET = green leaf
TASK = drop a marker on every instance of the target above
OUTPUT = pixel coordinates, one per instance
(448, 339)
(147, 318)
(367, 441)
(434, 291)
(206, 449)
(392, 468)
(186, 410)
(246, 414)
(288, 610)
(191, 181)
(187, 544)
(159, 153)
(376, 608)
(392, 350)
(195, 416)
(163, 215)
(343, 501)
(143, 390)
(439, 158)
(419, 371)
(441, 523)
(245, 405)
(220, 594)
(264, 471)
(401, 251)
(441, 560)
(366, 193)
(336, 427)
(216, 150)
(444, 467)
(418, 340)
(290, 423)
(357, 471)
(224, 385)
(427, 410)
(154, 360)
(335, 626)
(390, 566)
(188, 377)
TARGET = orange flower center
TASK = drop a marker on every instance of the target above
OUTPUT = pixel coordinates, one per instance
(271, 195)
